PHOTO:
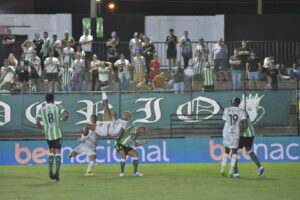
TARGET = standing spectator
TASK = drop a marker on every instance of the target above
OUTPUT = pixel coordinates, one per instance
(66, 76)
(7, 74)
(208, 74)
(46, 47)
(178, 78)
(12, 61)
(272, 76)
(124, 76)
(67, 39)
(159, 82)
(154, 67)
(28, 48)
(95, 64)
(35, 73)
(201, 47)
(103, 72)
(135, 44)
(244, 53)
(219, 54)
(68, 54)
(51, 67)
(38, 42)
(266, 65)
(3, 68)
(253, 66)
(86, 41)
(139, 66)
(198, 62)
(236, 68)
(23, 72)
(171, 42)
(113, 53)
(186, 49)
(56, 47)
(148, 51)
(8, 42)
(78, 68)
(294, 72)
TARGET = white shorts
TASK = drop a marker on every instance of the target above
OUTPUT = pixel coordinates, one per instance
(86, 148)
(102, 129)
(231, 142)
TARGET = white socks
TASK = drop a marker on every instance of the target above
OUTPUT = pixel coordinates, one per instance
(224, 161)
(90, 166)
(104, 96)
(233, 161)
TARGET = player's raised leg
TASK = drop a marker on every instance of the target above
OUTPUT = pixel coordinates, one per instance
(135, 162)
(107, 115)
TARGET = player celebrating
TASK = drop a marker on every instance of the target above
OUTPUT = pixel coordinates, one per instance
(122, 145)
(88, 147)
(246, 140)
(50, 115)
(109, 127)
(232, 116)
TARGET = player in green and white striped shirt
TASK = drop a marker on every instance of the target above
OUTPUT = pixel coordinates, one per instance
(246, 140)
(50, 114)
(208, 75)
(123, 146)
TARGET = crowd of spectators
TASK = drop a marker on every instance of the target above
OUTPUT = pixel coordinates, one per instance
(49, 64)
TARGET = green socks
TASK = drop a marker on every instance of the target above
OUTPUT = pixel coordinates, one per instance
(50, 159)
(254, 158)
(135, 163)
(122, 163)
(57, 162)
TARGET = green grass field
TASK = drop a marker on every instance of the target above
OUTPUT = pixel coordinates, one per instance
(160, 181)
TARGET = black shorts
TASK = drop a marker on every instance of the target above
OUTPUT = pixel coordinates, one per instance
(246, 142)
(171, 53)
(52, 76)
(120, 147)
(56, 144)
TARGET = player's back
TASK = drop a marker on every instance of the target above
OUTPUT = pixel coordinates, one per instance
(232, 117)
(50, 115)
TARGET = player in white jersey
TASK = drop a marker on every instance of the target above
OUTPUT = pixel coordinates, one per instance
(110, 126)
(233, 117)
(88, 147)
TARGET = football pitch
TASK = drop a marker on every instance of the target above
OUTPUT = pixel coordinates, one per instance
(160, 181)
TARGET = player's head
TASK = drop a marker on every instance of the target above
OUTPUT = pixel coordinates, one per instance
(93, 119)
(126, 115)
(235, 102)
(49, 98)
(140, 131)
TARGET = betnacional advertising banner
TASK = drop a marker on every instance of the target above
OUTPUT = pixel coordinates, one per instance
(152, 110)
(188, 150)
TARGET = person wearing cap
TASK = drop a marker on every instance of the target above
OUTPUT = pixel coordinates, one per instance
(67, 38)
(202, 48)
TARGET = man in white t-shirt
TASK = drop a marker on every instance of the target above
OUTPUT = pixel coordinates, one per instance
(135, 44)
(86, 41)
(68, 53)
(88, 147)
(235, 121)
(110, 126)
(51, 67)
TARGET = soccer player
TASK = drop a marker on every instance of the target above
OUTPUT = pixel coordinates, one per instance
(246, 140)
(50, 114)
(110, 126)
(122, 145)
(232, 116)
(88, 147)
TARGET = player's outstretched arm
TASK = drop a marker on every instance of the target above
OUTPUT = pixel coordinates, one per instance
(137, 144)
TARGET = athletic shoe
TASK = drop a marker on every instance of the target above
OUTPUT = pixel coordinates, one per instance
(138, 174)
(237, 175)
(56, 176)
(69, 156)
(260, 171)
(121, 174)
(89, 174)
(222, 171)
(230, 173)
